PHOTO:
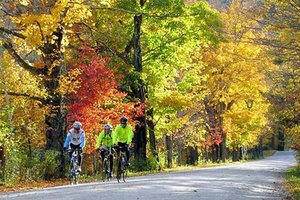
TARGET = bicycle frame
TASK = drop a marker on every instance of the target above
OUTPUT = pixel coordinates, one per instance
(74, 165)
(106, 165)
(122, 167)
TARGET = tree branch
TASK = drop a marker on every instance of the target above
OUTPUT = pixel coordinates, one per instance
(42, 34)
(4, 30)
(9, 47)
(43, 101)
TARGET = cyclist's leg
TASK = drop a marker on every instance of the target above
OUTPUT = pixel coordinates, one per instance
(102, 155)
(118, 149)
(127, 155)
(79, 157)
(111, 160)
(71, 150)
(73, 147)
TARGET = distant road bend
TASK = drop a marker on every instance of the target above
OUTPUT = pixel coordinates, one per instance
(252, 180)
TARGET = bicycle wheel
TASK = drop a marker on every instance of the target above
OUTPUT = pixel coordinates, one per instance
(71, 175)
(125, 173)
(71, 179)
(104, 169)
(108, 170)
(124, 169)
(76, 178)
(119, 170)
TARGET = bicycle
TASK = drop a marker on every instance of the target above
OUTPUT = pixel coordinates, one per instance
(106, 165)
(74, 165)
(122, 169)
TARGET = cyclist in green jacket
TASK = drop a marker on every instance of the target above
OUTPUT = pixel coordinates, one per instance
(124, 135)
(106, 138)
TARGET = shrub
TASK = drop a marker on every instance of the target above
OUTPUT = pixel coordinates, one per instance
(150, 164)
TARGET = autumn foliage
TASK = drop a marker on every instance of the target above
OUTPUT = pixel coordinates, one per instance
(96, 100)
(190, 78)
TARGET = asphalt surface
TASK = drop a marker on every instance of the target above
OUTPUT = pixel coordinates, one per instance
(252, 180)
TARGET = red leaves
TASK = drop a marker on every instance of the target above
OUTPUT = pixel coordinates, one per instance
(97, 101)
(214, 137)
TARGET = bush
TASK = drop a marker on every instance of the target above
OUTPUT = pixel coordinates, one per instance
(11, 166)
(50, 165)
(150, 164)
(39, 165)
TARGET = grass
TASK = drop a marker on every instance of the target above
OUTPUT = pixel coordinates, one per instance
(86, 178)
(292, 179)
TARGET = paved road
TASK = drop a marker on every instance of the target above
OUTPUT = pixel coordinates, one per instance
(252, 180)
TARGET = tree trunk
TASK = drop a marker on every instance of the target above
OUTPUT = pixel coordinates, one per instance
(169, 150)
(193, 155)
(281, 141)
(214, 153)
(223, 135)
(56, 118)
(140, 136)
(235, 154)
(179, 150)
(2, 162)
(54, 67)
(243, 152)
(206, 156)
(152, 138)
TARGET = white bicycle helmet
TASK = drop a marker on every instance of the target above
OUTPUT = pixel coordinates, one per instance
(77, 125)
(108, 127)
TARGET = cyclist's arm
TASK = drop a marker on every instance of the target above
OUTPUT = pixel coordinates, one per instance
(115, 135)
(99, 139)
(67, 140)
(112, 137)
(82, 140)
(130, 135)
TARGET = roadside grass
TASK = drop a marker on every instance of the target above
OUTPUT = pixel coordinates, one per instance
(87, 178)
(292, 180)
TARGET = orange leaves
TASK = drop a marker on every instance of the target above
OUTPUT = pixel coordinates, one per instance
(39, 65)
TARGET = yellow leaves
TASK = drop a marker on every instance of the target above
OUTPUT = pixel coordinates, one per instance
(175, 100)
(69, 83)
(24, 2)
(74, 11)
(28, 115)
(21, 81)
(235, 76)
(39, 28)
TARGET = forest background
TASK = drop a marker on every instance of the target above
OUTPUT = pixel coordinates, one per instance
(200, 81)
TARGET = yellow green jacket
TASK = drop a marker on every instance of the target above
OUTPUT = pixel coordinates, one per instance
(123, 135)
(106, 139)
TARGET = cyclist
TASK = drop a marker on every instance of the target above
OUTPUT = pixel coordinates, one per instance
(75, 140)
(123, 134)
(106, 138)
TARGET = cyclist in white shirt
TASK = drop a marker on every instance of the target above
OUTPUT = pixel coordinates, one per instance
(75, 140)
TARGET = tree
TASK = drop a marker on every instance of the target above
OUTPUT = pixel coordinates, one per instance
(234, 84)
(41, 28)
(283, 42)
(152, 30)
(93, 95)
